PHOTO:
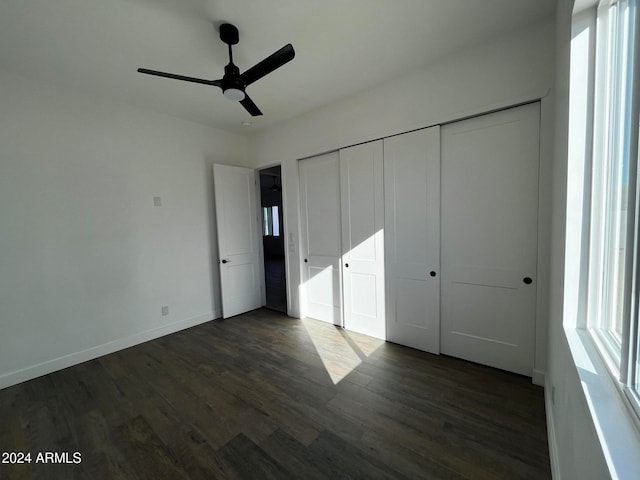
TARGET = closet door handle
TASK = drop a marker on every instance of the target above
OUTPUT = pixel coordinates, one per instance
(225, 261)
(432, 273)
(346, 265)
(527, 280)
(305, 260)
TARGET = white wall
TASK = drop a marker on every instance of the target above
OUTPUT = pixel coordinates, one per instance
(575, 449)
(85, 257)
(511, 69)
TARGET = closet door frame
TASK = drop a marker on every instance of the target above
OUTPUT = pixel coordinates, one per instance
(540, 323)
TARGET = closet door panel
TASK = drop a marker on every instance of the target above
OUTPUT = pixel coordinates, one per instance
(361, 180)
(321, 244)
(412, 229)
(489, 238)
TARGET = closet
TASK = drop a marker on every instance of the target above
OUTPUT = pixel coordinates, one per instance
(429, 238)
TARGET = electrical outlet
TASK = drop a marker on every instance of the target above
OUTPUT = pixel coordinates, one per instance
(157, 201)
(165, 311)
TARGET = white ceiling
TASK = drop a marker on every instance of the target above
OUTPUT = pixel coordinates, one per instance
(342, 46)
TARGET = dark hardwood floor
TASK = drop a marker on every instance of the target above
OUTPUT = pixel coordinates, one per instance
(254, 397)
(276, 283)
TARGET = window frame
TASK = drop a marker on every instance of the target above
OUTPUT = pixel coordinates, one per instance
(616, 135)
(608, 300)
(271, 228)
(611, 404)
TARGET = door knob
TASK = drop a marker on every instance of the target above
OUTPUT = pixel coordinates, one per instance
(225, 261)
(305, 260)
(432, 273)
(527, 280)
(346, 265)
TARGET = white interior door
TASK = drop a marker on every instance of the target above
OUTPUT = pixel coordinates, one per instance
(238, 240)
(412, 231)
(321, 246)
(489, 238)
(362, 199)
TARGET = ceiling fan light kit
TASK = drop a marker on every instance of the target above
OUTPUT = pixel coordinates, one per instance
(234, 94)
(233, 84)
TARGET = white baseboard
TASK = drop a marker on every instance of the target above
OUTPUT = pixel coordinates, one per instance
(71, 359)
(551, 432)
(538, 377)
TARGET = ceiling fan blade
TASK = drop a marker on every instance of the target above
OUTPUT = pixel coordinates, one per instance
(215, 83)
(251, 107)
(269, 64)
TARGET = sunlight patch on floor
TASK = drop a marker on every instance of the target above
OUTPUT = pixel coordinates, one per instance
(340, 351)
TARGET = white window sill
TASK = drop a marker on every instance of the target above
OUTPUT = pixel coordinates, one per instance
(613, 420)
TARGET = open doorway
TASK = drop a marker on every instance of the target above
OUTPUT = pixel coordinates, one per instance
(273, 238)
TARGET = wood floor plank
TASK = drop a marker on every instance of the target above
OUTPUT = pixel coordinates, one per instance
(144, 449)
(313, 409)
(340, 459)
(292, 455)
(200, 460)
(292, 421)
(234, 414)
(405, 461)
(13, 434)
(188, 407)
(48, 429)
(430, 444)
(251, 462)
(101, 454)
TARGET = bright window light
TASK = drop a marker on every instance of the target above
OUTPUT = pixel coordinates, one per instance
(275, 221)
(270, 221)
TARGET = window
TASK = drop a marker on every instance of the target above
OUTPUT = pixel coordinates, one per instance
(614, 240)
(271, 221)
(610, 179)
(632, 376)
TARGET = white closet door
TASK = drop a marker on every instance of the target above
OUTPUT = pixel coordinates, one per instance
(489, 238)
(321, 246)
(236, 216)
(412, 231)
(362, 195)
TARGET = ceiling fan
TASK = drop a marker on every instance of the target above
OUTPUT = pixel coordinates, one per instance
(233, 83)
(275, 187)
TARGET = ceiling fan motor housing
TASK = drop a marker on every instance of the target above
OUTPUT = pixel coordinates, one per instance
(229, 34)
(232, 81)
